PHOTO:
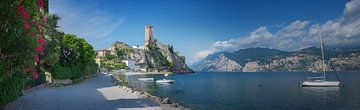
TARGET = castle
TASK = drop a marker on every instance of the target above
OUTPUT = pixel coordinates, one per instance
(149, 37)
(153, 56)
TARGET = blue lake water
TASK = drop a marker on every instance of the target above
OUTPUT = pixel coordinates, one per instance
(254, 91)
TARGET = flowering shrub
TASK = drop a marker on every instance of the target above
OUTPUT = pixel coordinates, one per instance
(34, 25)
(30, 44)
(22, 44)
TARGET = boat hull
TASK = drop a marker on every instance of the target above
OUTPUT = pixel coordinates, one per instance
(146, 79)
(320, 83)
(165, 81)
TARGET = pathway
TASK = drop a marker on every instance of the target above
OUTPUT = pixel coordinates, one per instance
(97, 93)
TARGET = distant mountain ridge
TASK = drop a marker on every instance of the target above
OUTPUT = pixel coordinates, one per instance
(265, 59)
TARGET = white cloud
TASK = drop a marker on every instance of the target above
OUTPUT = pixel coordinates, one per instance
(341, 32)
(260, 34)
(203, 54)
(84, 20)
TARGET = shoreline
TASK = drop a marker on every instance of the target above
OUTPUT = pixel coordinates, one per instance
(165, 103)
(150, 73)
(146, 73)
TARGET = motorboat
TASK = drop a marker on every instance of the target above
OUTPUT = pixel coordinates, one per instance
(165, 81)
(146, 79)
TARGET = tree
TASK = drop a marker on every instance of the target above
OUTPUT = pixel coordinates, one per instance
(77, 57)
(53, 43)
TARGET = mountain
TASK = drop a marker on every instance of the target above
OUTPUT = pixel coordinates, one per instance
(218, 62)
(243, 56)
(265, 59)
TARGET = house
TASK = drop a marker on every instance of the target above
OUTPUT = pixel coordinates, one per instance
(138, 47)
(102, 53)
(131, 64)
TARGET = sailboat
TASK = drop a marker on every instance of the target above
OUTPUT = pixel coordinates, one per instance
(320, 81)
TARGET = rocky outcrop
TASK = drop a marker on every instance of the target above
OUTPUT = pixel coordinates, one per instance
(351, 62)
(221, 63)
(155, 58)
(253, 67)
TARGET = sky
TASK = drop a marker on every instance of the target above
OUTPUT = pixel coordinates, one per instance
(197, 28)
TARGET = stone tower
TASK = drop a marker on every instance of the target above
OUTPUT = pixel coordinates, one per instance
(149, 38)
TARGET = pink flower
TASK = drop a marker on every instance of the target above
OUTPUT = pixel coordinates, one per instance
(41, 40)
(39, 48)
(37, 59)
(27, 26)
(39, 23)
(26, 15)
(34, 73)
(43, 19)
(33, 34)
(41, 3)
(20, 8)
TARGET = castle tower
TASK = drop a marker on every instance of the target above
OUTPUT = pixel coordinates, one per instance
(149, 38)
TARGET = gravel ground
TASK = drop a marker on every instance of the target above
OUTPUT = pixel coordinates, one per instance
(97, 93)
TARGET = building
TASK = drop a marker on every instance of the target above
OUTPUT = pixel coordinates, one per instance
(102, 53)
(149, 38)
(138, 47)
(131, 64)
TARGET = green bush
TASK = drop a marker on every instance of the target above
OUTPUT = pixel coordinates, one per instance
(91, 69)
(74, 72)
(11, 88)
(34, 82)
(60, 72)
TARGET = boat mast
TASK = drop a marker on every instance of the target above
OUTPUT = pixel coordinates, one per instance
(322, 55)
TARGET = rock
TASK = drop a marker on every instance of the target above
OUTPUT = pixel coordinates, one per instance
(175, 105)
(166, 101)
(219, 63)
(143, 95)
(137, 93)
(253, 67)
(48, 77)
(62, 81)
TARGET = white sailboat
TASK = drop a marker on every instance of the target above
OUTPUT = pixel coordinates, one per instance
(320, 81)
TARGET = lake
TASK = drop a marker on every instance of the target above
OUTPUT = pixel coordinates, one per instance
(254, 91)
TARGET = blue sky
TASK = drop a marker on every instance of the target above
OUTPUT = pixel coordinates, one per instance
(197, 28)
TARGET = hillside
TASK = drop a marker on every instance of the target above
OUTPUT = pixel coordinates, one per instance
(155, 58)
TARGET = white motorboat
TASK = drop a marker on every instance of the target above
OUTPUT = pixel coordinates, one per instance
(165, 81)
(320, 81)
(146, 79)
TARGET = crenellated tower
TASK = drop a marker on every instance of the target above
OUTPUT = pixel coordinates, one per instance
(149, 38)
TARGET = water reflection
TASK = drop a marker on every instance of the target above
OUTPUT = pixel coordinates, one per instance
(320, 89)
(321, 92)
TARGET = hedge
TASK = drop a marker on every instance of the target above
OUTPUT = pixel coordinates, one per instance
(73, 72)
(11, 88)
